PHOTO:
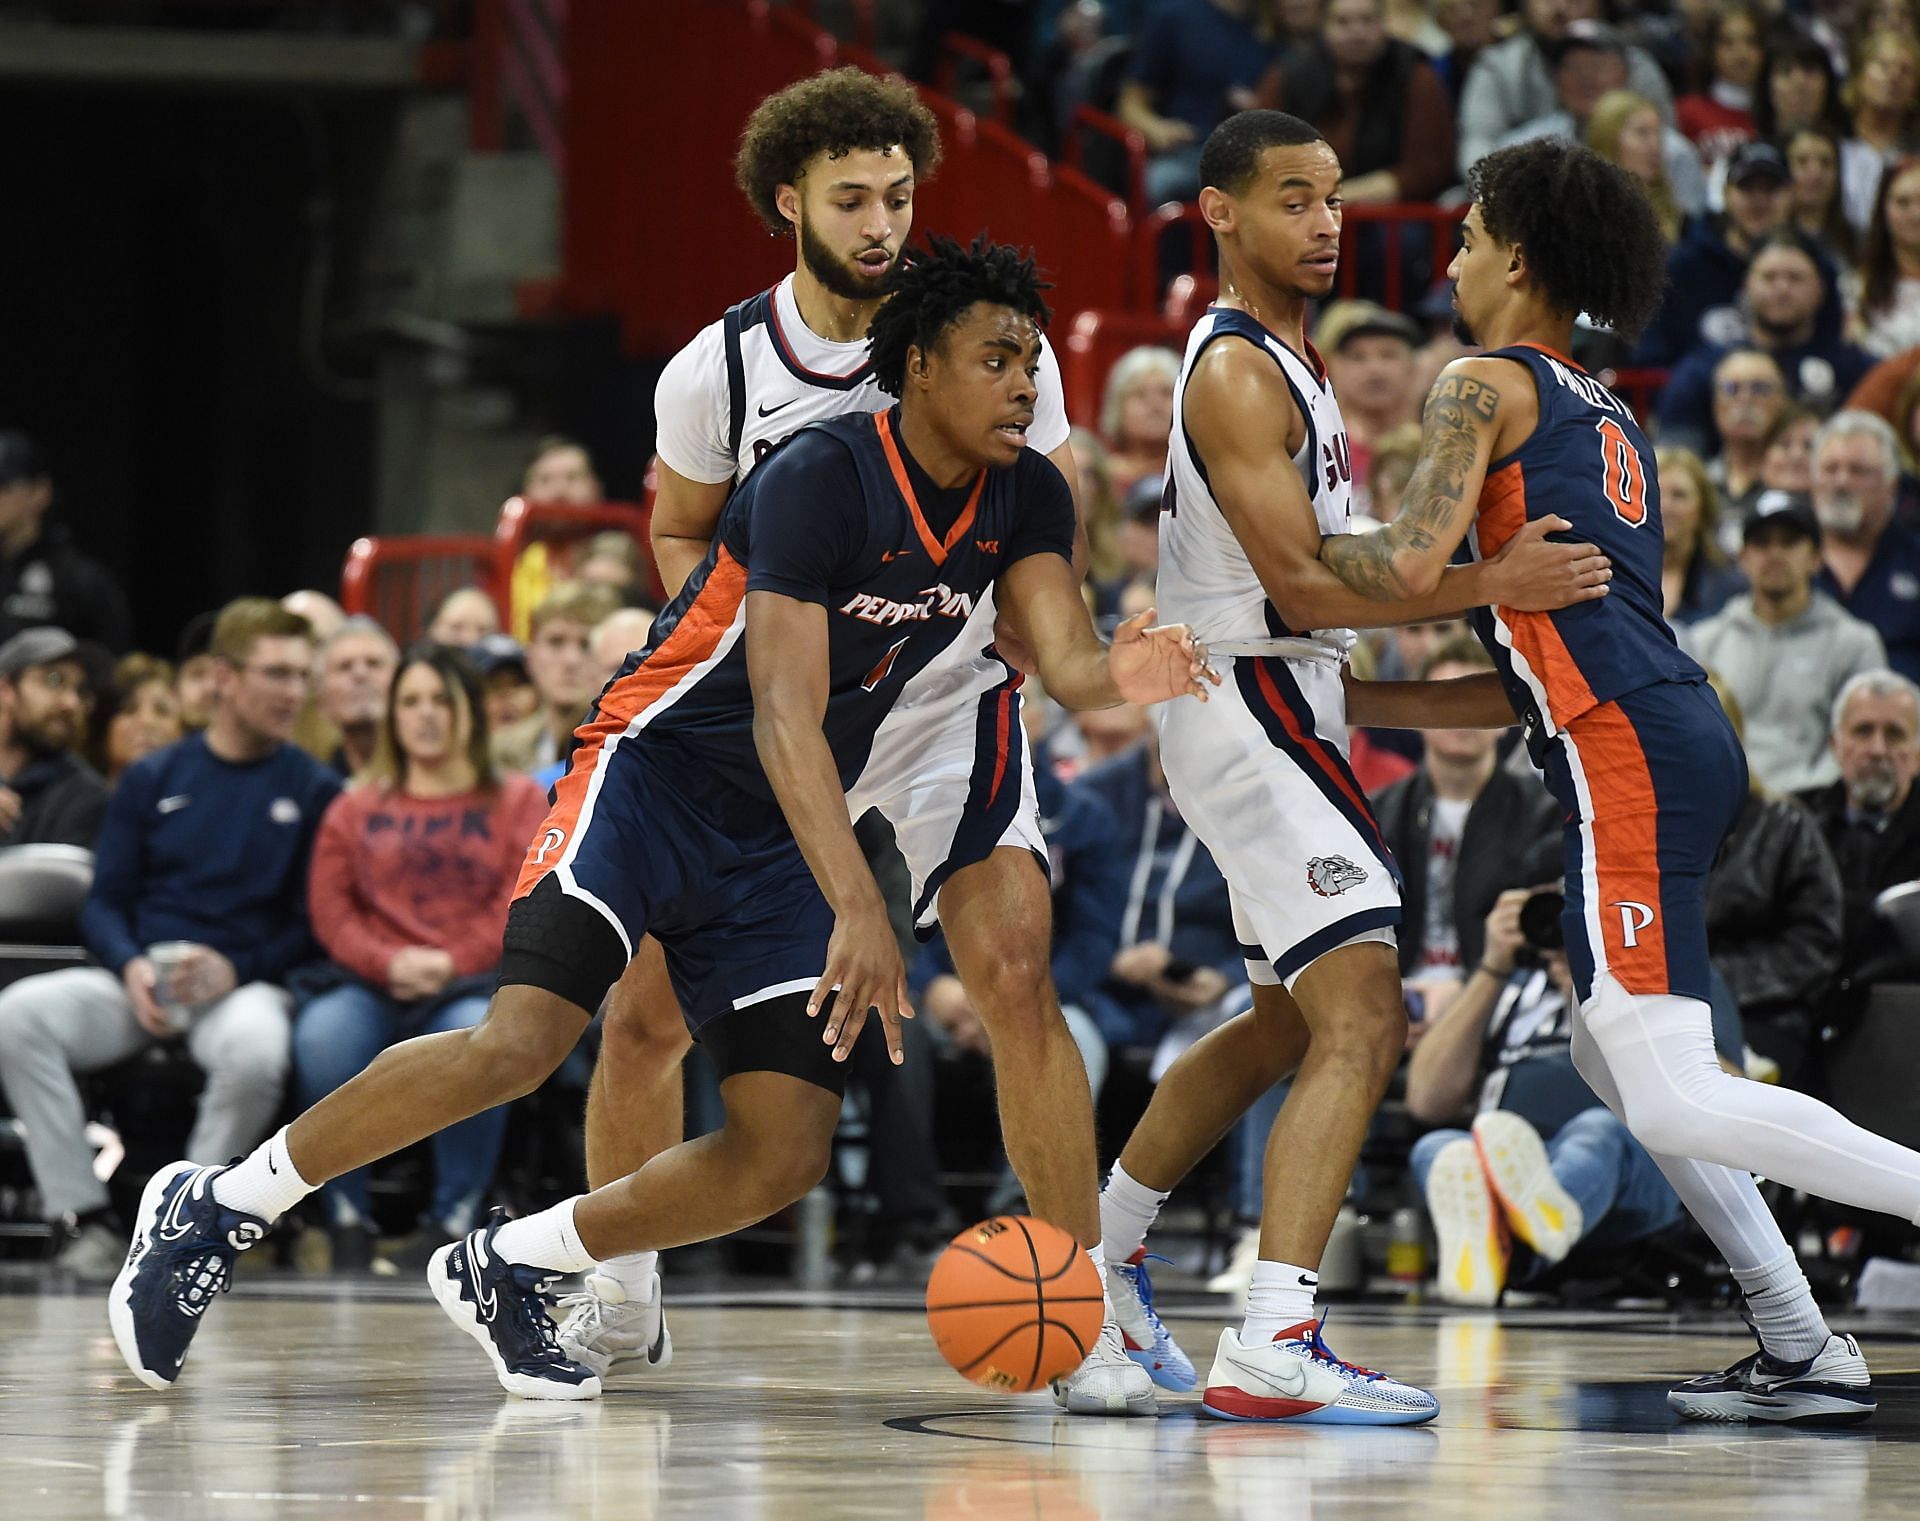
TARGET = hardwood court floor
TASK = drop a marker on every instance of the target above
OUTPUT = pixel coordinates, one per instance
(316, 1398)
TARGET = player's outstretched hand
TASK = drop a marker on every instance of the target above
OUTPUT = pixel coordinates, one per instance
(1151, 663)
(864, 972)
(1533, 575)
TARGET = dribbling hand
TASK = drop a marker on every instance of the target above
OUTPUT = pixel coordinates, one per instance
(1532, 575)
(864, 973)
(1152, 663)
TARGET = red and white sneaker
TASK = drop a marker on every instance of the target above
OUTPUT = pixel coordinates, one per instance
(1295, 1377)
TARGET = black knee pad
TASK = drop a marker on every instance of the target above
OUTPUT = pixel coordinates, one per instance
(777, 1036)
(562, 946)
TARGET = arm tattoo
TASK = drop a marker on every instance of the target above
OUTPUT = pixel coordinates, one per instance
(1458, 409)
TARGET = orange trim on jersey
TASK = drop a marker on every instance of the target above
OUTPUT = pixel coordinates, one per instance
(1503, 513)
(937, 550)
(694, 639)
(1624, 831)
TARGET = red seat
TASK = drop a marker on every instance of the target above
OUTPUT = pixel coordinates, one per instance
(1095, 341)
(400, 580)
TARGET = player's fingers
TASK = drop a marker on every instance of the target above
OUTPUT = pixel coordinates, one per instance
(856, 1022)
(890, 1028)
(905, 1001)
(817, 999)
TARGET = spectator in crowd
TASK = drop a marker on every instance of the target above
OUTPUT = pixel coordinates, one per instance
(1784, 650)
(1370, 359)
(1706, 271)
(563, 672)
(1459, 827)
(356, 669)
(44, 578)
(324, 615)
(1880, 391)
(196, 915)
(1109, 732)
(1798, 88)
(1389, 468)
(1870, 819)
(1773, 922)
(612, 560)
(1786, 287)
(1545, 1164)
(1749, 393)
(1815, 208)
(1140, 535)
(615, 637)
(1883, 95)
(48, 794)
(1471, 27)
(194, 670)
(1378, 102)
(1695, 579)
(1625, 129)
(1889, 308)
(139, 714)
(1195, 62)
(511, 696)
(412, 872)
(1590, 63)
(1870, 565)
(1512, 82)
(1719, 118)
(1786, 460)
(464, 618)
(561, 471)
(1100, 511)
(1136, 415)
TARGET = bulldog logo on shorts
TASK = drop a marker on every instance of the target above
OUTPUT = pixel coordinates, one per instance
(1330, 876)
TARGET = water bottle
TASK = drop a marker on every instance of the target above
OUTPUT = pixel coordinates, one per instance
(813, 1238)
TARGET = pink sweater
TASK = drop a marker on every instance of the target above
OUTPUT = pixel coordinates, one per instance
(392, 871)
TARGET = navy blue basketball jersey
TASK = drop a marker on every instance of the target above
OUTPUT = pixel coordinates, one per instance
(1588, 462)
(839, 515)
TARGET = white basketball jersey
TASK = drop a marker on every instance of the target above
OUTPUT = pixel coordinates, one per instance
(760, 374)
(1205, 578)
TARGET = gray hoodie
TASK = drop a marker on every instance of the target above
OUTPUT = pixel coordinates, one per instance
(1785, 678)
(1510, 85)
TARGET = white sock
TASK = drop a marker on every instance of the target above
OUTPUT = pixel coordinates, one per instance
(1280, 1299)
(634, 1272)
(264, 1182)
(1790, 1324)
(1098, 1255)
(1127, 1212)
(546, 1240)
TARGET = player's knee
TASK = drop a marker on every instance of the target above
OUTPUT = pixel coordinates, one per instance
(1015, 993)
(1372, 1031)
(1670, 1122)
(510, 1054)
(635, 1035)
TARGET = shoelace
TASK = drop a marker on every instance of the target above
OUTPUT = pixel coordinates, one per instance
(200, 1277)
(530, 1313)
(588, 1306)
(1321, 1352)
(1140, 1275)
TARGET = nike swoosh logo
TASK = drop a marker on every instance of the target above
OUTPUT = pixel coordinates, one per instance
(170, 1227)
(1308, 1281)
(1293, 1384)
(767, 411)
(173, 804)
(889, 556)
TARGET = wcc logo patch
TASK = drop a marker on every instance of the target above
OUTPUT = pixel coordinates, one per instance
(1330, 876)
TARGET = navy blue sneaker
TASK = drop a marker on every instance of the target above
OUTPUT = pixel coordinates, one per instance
(1831, 1388)
(184, 1243)
(503, 1306)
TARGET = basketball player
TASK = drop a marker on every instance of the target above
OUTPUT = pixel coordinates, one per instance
(1632, 742)
(856, 560)
(1259, 471)
(834, 162)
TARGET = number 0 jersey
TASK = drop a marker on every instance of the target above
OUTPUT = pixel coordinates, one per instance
(1588, 462)
(1205, 578)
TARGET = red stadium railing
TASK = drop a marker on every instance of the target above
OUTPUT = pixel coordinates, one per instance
(956, 48)
(1639, 388)
(864, 33)
(1440, 223)
(1095, 340)
(400, 580)
(562, 525)
(1150, 261)
(518, 70)
(1125, 143)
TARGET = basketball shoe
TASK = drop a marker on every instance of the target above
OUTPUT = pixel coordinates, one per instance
(1142, 1332)
(184, 1243)
(1472, 1251)
(604, 1327)
(1833, 1388)
(1296, 1378)
(1539, 1211)
(503, 1306)
(1109, 1382)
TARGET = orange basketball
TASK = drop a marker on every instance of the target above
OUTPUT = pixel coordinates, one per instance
(1013, 1303)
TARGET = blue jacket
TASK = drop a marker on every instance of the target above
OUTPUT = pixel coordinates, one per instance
(198, 848)
(1821, 374)
(1704, 277)
(1089, 890)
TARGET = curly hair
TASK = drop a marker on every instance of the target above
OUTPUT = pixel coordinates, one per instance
(934, 289)
(837, 112)
(1592, 239)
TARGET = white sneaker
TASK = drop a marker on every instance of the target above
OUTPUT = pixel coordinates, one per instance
(1471, 1250)
(603, 1326)
(1108, 1382)
(1295, 1377)
(1540, 1211)
(1237, 1276)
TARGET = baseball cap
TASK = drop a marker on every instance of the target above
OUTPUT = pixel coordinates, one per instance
(1756, 161)
(20, 458)
(1143, 499)
(1594, 35)
(1788, 509)
(498, 652)
(196, 639)
(1347, 320)
(36, 646)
